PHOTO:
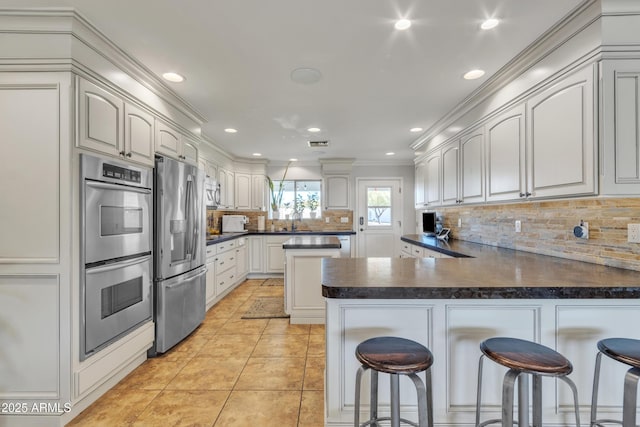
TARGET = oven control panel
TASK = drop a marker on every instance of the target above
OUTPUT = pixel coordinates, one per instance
(117, 172)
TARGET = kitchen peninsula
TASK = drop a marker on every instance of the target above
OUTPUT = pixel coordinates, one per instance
(452, 304)
(303, 287)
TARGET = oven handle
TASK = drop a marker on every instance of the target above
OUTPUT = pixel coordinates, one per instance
(108, 186)
(187, 278)
(118, 265)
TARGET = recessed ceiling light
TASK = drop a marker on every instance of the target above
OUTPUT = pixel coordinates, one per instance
(257, 154)
(473, 74)
(415, 130)
(314, 130)
(231, 130)
(402, 24)
(173, 77)
(306, 76)
(490, 23)
(293, 160)
(390, 153)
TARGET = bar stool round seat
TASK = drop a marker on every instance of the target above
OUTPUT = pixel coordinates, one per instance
(395, 356)
(523, 357)
(627, 351)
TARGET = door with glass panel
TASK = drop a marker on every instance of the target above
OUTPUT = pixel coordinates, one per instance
(379, 218)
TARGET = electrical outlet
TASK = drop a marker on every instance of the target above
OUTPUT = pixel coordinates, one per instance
(633, 233)
(459, 222)
(327, 220)
(518, 226)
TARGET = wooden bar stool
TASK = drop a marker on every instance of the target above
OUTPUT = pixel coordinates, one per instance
(523, 357)
(626, 351)
(395, 356)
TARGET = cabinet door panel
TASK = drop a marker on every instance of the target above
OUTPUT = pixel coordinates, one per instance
(560, 138)
(259, 192)
(472, 165)
(450, 174)
(505, 154)
(167, 140)
(190, 152)
(242, 191)
(337, 192)
(139, 133)
(620, 167)
(100, 117)
(432, 180)
(419, 184)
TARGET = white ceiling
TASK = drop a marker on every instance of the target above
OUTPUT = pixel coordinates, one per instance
(378, 82)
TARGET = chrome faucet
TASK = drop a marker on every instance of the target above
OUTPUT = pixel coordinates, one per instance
(293, 219)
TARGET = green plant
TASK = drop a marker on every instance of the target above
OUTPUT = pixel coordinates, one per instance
(312, 201)
(276, 198)
(299, 204)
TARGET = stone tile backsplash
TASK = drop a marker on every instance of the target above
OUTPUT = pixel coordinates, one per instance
(547, 228)
(214, 219)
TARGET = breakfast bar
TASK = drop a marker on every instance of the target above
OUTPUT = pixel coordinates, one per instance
(452, 304)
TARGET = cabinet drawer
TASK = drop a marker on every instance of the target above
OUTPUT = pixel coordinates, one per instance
(226, 260)
(225, 246)
(225, 280)
(211, 253)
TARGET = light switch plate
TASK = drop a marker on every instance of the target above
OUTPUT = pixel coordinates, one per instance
(633, 233)
(327, 220)
(344, 219)
(518, 226)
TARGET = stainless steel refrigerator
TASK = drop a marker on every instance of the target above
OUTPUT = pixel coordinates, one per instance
(179, 252)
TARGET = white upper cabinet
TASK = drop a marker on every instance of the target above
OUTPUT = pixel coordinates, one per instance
(242, 191)
(506, 155)
(554, 155)
(138, 135)
(226, 179)
(259, 192)
(100, 119)
(560, 138)
(472, 167)
(450, 173)
(620, 172)
(336, 191)
(419, 184)
(432, 179)
(172, 143)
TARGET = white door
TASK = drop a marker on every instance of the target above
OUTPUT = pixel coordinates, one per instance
(379, 217)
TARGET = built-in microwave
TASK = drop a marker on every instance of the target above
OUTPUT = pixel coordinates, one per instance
(212, 193)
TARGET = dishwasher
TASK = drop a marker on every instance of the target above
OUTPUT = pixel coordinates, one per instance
(345, 246)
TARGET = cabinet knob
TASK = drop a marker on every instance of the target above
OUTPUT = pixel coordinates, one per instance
(129, 154)
(521, 194)
(121, 153)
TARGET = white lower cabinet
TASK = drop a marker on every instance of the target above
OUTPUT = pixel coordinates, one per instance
(210, 292)
(274, 253)
(256, 254)
(453, 330)
(242, 259)
(414, 251)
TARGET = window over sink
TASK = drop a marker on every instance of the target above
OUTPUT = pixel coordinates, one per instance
(302, 197)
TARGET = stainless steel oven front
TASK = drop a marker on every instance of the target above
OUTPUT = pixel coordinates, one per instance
(117, 207)
(117, 300)
(116, 232)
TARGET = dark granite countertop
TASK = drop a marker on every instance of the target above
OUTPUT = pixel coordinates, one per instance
(312, 242)
(218, 238)
(492, 273)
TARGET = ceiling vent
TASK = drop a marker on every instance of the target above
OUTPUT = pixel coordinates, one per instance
(315, 144)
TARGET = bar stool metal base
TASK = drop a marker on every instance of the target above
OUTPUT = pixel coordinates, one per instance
(425, 399)
(521, 374)
(630, 396)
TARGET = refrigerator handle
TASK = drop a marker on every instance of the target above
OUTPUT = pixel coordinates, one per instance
(194, 220)
(188, 211)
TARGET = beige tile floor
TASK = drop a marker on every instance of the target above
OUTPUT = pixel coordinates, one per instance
(229, 372)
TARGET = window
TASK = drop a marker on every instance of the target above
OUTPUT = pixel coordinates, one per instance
(301, 196)
(378, 206)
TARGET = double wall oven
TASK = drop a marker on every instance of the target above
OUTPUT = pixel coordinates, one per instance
(116, 260)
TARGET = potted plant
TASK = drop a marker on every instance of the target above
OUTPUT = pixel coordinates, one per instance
(298, 206)
(312, 204)
(276, 196)
(287, 207)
